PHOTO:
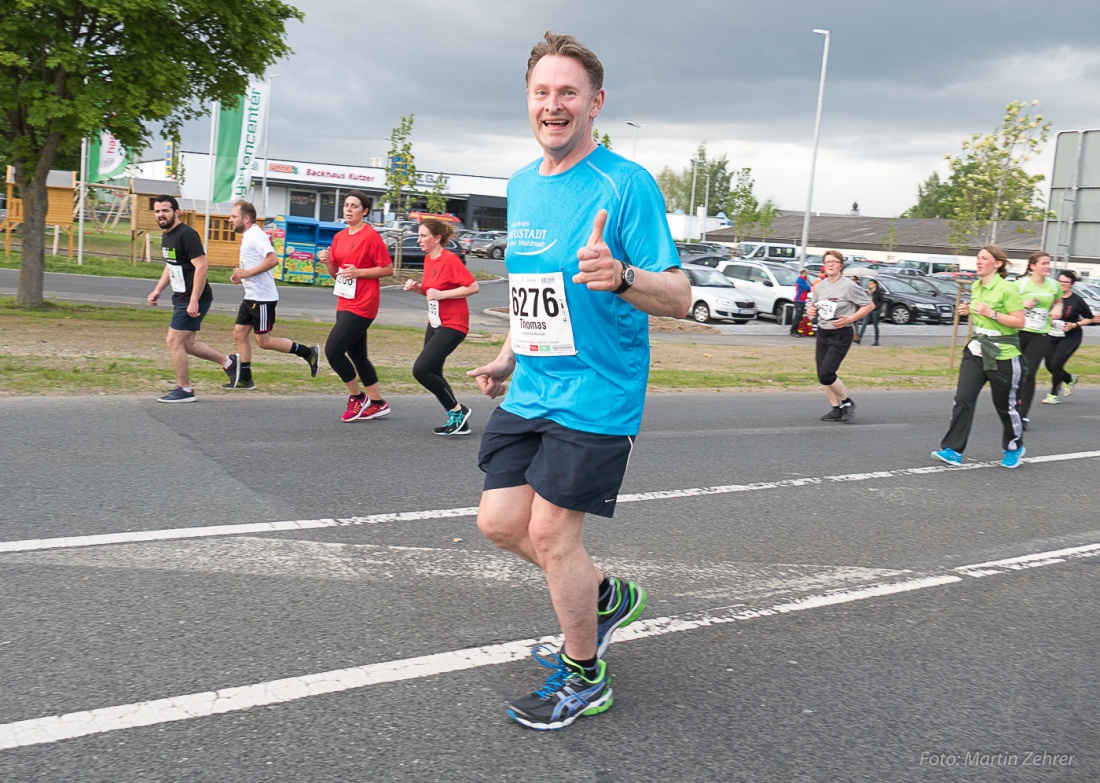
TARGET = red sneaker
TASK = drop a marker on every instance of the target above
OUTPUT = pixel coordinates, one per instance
(355, 407)
(375, 410)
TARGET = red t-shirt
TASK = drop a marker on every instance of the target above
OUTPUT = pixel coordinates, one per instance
(363, 249)
(444, 274)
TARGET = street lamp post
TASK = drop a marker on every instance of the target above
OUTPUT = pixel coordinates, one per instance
(706, 198)
(813, 158)
(267, 137)
(637, 127)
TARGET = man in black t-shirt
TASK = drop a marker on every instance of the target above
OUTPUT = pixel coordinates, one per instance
(185, 272)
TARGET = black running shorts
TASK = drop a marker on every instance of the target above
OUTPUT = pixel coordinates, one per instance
(579, 471)
(259, 315)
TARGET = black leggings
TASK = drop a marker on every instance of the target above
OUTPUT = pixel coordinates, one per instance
(439, 343)
(346, 348)
(832, 347)
(1034, 347)
(1058, 354)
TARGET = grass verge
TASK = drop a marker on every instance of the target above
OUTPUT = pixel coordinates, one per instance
(64, 348)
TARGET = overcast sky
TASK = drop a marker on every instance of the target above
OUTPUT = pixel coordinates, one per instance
(906, 83)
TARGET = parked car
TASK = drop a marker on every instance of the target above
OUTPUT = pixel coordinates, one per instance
(904, 304)
(468, 238)
(490, 247)
(702, 249)
(771, 285)
(766, 251)
(712, 261)
(412, 257)
(1090, 292)
(931, 265)
(713, 295)
(947, 287)
(813, 264)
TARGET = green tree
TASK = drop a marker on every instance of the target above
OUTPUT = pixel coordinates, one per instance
(932, 197)
(70, 68)
(988, 181)
(890, 236)
(437, 202)
(401, 176)
(765, 217)
(711, 178)
(741, 204)
(604, 139)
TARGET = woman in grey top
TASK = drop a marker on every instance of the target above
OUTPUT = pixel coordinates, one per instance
(837, 304)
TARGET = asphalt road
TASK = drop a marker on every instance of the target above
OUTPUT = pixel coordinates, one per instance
(825, 604)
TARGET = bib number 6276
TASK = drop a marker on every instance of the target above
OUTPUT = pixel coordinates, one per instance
(526, 302)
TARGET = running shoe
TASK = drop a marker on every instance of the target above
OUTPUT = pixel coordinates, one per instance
(233, 370)
(627, 605)
(847, 410)
(1052, 399)
(355, 407)
(564, 697)
(314, 360)
(457, 423)
(833, 415)
(178, 395)
(950, 456)
(1067, 388)
(375, 410)
(1012, 458)
(243, 383)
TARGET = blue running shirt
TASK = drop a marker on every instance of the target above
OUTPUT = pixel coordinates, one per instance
(602, 388)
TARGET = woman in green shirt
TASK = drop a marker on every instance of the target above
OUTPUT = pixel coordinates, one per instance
(1042, 302)
(997, 312)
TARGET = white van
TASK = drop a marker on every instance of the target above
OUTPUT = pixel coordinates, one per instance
(929, 266)
(767, 251)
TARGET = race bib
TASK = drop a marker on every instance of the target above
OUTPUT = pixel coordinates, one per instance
(539, 315)
(1035, 318)
(826, 310)
(433, 313)
(344, 287)
(1057, 328)
(175, 278)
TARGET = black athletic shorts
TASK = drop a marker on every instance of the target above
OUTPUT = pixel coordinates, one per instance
(259, 315)
(579, 471)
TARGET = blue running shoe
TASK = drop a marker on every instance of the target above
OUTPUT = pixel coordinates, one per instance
(627, 605)
(1012, 458)
(950, 456)
(178, 395)
(564, 697)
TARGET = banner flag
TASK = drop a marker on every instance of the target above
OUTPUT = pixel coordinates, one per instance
(107, 158)
(240, 132)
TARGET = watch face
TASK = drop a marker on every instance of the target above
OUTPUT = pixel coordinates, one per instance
(628, 275)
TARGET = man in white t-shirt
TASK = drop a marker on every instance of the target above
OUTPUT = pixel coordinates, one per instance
(257, 311)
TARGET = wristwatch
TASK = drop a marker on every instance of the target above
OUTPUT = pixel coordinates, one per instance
(628, 278)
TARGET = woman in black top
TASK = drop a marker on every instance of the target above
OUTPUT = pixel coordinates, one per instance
(877, 297)
(1065, 341)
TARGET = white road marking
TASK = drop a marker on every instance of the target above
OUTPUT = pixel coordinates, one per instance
(55, 728)
(28, 545)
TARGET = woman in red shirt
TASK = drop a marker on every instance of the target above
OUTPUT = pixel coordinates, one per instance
(446, 284)
(357, 260)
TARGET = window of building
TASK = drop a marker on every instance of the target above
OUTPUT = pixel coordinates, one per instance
(329, 210)
(303, 203)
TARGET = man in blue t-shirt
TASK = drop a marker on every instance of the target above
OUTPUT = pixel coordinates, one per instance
(589, 257)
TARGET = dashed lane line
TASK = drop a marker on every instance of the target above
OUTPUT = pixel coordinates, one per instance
(56, 728)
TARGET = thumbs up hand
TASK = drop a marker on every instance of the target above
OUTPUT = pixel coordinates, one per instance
(599, 270)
